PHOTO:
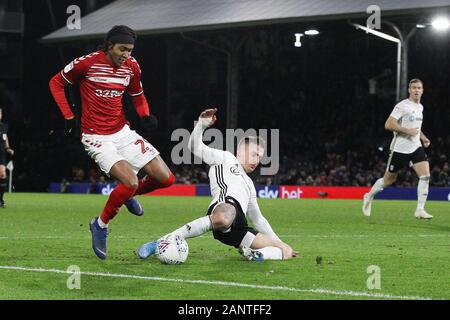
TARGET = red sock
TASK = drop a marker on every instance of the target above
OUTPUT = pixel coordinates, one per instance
(116, 199)
(148, 184)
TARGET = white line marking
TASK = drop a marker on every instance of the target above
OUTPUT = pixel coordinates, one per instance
(225, 283)
(37, 238)
(350, 236)
(367, 236)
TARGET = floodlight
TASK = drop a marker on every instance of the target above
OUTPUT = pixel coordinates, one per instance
(311, 32)
(441, 24)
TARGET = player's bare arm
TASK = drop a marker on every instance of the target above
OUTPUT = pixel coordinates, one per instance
(263, 240)
(288, 252)
(291, 253)
(266, 236)
(8, 148)
(392, 125)
(426, 142)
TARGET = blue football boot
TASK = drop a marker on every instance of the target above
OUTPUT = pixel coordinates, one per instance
(99, 236)
(251, 254)
(134, 207)
(146, 250)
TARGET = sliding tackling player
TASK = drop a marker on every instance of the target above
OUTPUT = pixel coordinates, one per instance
(233, 200)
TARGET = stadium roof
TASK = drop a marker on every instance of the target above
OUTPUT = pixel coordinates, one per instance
(168, 16)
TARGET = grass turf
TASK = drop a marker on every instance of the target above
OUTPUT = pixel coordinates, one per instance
(50, 231)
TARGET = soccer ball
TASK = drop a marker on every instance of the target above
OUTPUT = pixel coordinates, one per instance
(172, 249)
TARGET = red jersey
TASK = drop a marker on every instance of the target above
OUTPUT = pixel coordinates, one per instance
(102, 85)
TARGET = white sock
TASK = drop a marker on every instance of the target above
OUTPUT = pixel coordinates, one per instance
(422, 191)
(195, 228)
(377, 187)
(271, 253)
(102, 224)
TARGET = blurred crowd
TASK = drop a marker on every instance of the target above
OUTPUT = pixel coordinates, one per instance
(302, 162)
(322, 151)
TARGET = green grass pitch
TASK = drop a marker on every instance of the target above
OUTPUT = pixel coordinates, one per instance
(50, 232)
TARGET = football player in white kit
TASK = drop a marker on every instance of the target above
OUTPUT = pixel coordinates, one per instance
(406, 149)
(233, 200)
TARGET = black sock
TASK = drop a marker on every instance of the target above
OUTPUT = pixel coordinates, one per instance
(3, 185)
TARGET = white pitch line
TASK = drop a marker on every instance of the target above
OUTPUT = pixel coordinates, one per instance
(329, 236)
(224, 283)
(37, 237)
(366, 236)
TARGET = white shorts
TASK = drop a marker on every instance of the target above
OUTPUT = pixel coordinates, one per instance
(126, 144)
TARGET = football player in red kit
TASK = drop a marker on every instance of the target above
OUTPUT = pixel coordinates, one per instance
(103, 77)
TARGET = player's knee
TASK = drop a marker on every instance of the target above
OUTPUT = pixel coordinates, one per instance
(220, 222)
(133, 185)
(425, 178)
(169, 181)
(131, 182)
(223, 217)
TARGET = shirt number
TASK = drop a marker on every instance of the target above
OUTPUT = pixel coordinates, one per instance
(144, 148)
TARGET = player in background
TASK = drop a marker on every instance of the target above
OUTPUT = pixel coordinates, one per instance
(103, 77)
(406, 148)
(4, 148)
(233, 200)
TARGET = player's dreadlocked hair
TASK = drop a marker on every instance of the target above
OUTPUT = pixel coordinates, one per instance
(118, 34)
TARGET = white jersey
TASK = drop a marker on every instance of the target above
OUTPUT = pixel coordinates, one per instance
(228, 178)
(409, 115)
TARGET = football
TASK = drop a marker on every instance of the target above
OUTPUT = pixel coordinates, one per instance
(172, 249)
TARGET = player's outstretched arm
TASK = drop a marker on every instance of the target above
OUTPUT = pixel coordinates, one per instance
(269, 237)
(209, 155)
(259, 221)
